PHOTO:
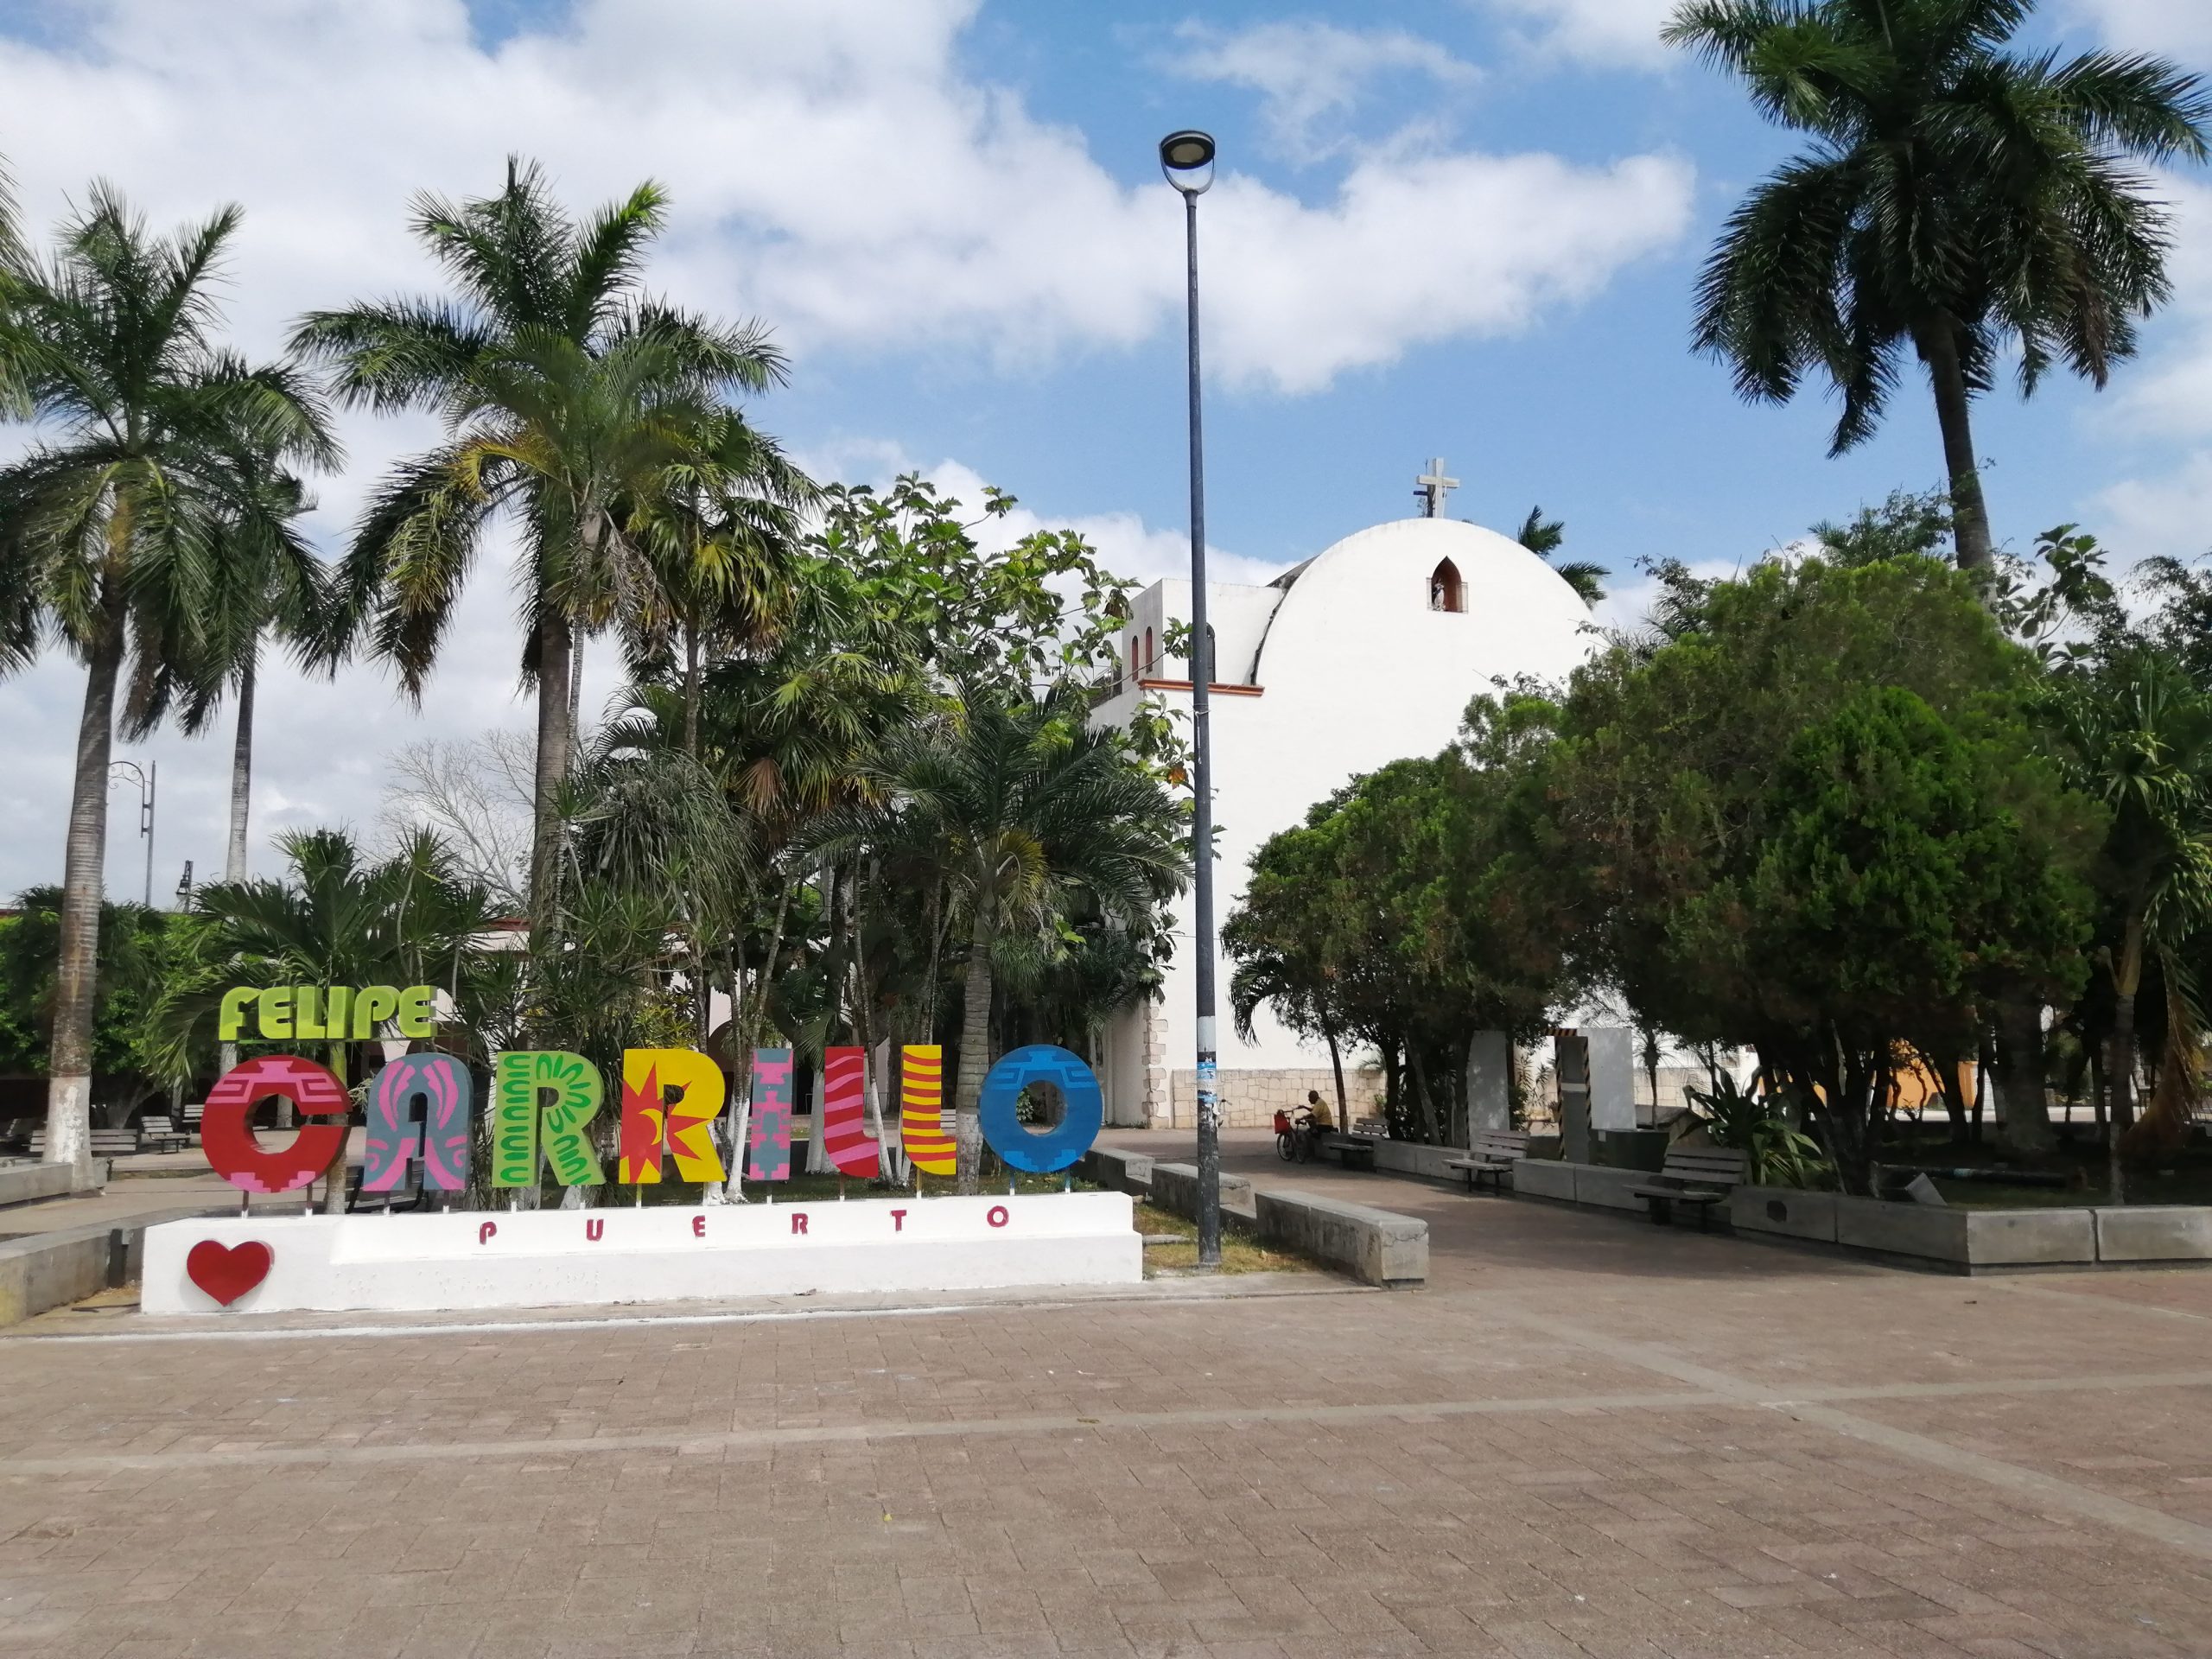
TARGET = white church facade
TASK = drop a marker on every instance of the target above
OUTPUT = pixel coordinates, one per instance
(1365, 654)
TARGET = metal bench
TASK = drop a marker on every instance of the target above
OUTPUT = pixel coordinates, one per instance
(160, 1133)
(1493, 1155)
(1702, 1176)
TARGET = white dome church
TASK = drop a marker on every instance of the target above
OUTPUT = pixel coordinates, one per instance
(1366, 654)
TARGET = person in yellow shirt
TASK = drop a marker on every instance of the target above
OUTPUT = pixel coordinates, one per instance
(1323, 1123)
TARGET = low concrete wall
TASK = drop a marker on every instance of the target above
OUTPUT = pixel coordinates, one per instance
(1117, 1171)
(1374, 1246)
(43, 1270)
(1543, 1178)
(1967, 1238)
(1784, 1211)
(1409, 1158)
(1175, 1186)
(2155, 1233)
(28, 1182)
(1602, 1188)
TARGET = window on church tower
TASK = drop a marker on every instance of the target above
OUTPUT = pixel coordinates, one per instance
(1445, 591)
(1148, 657)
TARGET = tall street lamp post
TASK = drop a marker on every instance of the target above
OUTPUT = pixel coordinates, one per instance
(145, 777)
(1187, 160)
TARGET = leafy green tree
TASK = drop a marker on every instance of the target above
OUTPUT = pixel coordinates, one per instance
(1958, 200)
(113, 526)
(1754, 853)
(568, 397)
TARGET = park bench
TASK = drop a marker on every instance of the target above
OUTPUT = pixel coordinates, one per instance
(1493, 1155)
(106, 1143)
(193, 1109)
(1696, 1175)
(160, 1133)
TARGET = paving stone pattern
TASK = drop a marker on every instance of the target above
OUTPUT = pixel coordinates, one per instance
(1589, 1437)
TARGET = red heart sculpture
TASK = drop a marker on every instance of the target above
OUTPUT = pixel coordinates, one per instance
(226, 1272)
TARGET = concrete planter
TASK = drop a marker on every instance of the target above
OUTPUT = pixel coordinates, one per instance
(2155, 1233)
(1374, 1246)
(1783, 1211)
(1175, 1186)
(28, 1183)
(1118, 1170)
(1967, 1238)
(1540, 1178)
(1603, 1188)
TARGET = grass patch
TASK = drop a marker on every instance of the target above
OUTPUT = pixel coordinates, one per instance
(1238, 1253)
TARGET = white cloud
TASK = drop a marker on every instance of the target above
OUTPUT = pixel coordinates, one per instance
(1309, 74)
(862, 188)
(1606, 32)
(2169, 513)
(2174, 28)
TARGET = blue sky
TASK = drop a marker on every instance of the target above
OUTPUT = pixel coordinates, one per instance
(1457, 227)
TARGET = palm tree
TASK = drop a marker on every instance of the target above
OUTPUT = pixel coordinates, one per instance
(1545, 536)
(1020, 807)
(2136, 734)
(566, 394)
(112, 527)
(1958, 199)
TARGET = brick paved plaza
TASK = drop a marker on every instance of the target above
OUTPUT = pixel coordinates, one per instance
(1587, 1437)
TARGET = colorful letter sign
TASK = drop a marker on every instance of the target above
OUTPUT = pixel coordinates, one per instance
(650, 1123)
(420, 1107)
(521, 1128)
(921, 1109)
(844, 1112)
(1055, 1148)
(439, 1141)
(226, 1136)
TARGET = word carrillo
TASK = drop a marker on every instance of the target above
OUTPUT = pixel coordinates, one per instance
(421, 1107)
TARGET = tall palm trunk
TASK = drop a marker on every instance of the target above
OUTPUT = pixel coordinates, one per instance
(1939, 350)
(69, 1067)
(234, 861)
(1336, 1066)
(242, 770)
(691, 691)
(556, 732)
(975, 1059)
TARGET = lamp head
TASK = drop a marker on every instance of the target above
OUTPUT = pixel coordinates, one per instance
(1186, 158)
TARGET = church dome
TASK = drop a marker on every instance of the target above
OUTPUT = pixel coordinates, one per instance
(1431, 606)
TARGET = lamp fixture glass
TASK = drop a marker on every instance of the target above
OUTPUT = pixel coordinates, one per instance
(1186, 158)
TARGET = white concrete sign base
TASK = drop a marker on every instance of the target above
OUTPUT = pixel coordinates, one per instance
(552, 1258)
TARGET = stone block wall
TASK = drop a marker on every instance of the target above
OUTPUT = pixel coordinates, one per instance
(1250, 1099)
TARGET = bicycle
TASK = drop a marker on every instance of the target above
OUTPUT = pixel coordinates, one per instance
(1295, 1136)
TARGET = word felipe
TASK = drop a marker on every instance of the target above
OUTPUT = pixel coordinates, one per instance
(287, 1013)
(421, 1111)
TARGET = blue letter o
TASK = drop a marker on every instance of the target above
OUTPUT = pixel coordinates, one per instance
(1056, 1148)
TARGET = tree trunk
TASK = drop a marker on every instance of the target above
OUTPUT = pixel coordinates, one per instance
(556, 732)
(1336, 1066)
(69, 1069)
(2126, 979)
(241, 771)
(1939, 350)
(974, 1060)
(2019, 1077)
(333, 1184)
(691, 691)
